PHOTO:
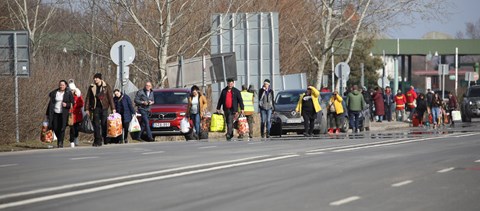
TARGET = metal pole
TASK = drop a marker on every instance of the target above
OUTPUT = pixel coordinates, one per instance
(15, 61)
(181, 72)
(383, 71)
(456, 71)
(341, 79)
(224, 71)
(444, 68)
(203, 72)
(333, 72)
(395, 77)
(362, 78)
(121, 68)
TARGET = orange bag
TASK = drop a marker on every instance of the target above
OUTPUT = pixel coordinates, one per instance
(46, 135)
(114, 125)
(242, 125)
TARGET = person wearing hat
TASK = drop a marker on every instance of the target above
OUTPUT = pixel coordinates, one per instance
(99, 99)
(76, 111)
(266, 104)
(60, 102)
(230, 99)
(123, 105)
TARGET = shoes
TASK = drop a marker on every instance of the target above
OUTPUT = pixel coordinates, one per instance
(250, 137)
(307, 134)
(337, 131)
(263, 135)
(330, 130)
(72, 145)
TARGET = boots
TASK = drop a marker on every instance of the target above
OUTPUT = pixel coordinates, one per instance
(330, 130)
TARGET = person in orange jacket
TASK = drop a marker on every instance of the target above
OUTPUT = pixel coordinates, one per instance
(400, 101)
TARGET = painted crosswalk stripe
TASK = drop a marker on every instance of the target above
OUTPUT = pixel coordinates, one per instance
(445, 170)
(477, 161)
(151, 153)
(344, 201)
(83, 158)
(8, 165)
(207, 147)
(402, 183)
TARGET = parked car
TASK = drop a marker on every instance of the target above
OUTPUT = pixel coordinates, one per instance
(169, 109)
(470, 106)
(285, 119)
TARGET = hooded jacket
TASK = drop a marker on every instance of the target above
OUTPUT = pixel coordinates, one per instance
(355, 101)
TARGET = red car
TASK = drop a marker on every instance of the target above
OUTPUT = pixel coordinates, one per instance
(169, 109)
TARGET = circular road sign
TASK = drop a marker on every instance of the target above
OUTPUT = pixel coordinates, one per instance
(344, 69)
(387, 82)
(128, 52)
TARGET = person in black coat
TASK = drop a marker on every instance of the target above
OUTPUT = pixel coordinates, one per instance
(123, 105)
(60, 102)
(230, 99)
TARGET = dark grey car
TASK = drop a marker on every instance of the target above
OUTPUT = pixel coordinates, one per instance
(470, 107)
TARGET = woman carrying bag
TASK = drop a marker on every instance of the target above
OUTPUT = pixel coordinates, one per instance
(76, 112)
(123, 105)
(335, 112)
(197, 105)
(60, 102)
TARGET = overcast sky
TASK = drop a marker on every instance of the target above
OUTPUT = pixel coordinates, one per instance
(462, 11)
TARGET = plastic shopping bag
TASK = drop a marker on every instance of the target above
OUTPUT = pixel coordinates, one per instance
(242, 125)
(46, 135)
(456, 116)
(185, 125)
(217, 123)
(114, 125)
(134, 125)
(86, 125)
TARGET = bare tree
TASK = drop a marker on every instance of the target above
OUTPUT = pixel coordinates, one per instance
(472, 31)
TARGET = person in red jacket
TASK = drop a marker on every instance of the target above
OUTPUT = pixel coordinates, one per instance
(76, 111)
(400, 101)
(411, 104)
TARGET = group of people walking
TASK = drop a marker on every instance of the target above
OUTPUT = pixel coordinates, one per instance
(67, 107)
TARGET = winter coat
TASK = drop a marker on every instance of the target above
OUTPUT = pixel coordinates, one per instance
(388, 99)
(411, 97)
(105, 96)
(452, 103)
(123, 106)
(316, 104)
(355, 101)
(77, 108)
(400, 101)
(379, 104)
(264, 100)
(336, 101)
(236, 100)
(202, 104)
(141, 97)
(67, 98)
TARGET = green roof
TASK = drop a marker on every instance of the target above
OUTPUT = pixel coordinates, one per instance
(424, 47)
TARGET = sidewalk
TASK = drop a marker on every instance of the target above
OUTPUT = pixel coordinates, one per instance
(386, 126)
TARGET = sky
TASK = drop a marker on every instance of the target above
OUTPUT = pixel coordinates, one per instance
(462, 11)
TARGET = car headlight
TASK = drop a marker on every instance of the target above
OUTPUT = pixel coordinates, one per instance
(182, 113)
(470, 103)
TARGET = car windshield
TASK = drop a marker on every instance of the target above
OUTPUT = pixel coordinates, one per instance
(286, 98)
(325, 96)
(474, 92)
(170, 98)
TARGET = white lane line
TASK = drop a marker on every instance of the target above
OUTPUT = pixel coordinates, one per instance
(445, 170)
(477, 161)
(113, 179)
(314, 153)
(151, 153)
(344, 201)
(373, 145)
(402, 183)
(139, 181)
(207, 147)
(8, 165)
(83, 158)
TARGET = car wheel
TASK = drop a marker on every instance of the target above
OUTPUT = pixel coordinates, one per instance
(345, 125)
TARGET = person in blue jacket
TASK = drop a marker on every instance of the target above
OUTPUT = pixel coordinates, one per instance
(123, 105)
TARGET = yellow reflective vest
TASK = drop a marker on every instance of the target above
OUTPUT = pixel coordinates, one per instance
(247, 102)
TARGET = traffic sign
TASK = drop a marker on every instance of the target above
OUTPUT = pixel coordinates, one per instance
(385, 80)
(469, 76)
(126, 49)
(342, 70)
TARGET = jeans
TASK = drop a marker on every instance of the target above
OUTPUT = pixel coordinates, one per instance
(145, 123)
(196, 122)
(400, 115)
(266, 118)
(354, 117)
(229, 114)
(335, 120)
(436, 114)
(388, 112)
(100, 126)
(309, 122)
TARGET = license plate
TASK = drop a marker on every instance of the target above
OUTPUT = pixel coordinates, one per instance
(297, 120)
(161, 124)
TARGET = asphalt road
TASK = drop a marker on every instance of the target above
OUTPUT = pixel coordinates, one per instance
(409, 169)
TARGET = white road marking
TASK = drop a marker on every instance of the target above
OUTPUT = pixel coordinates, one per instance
(445, 170)
(138, 181)
(83, 158)
(314, 153)
(344, 201)
(207, 147)
(477, 161)
(402, 183)
(8, 165)
(150, 153)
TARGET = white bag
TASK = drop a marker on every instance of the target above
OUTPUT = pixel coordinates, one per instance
(184, 125)
(134, 125)
(456, 116)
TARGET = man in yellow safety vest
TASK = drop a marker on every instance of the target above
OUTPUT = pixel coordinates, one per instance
(249, 110)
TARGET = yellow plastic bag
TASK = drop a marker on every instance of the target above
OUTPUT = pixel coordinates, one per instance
(217, 123)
